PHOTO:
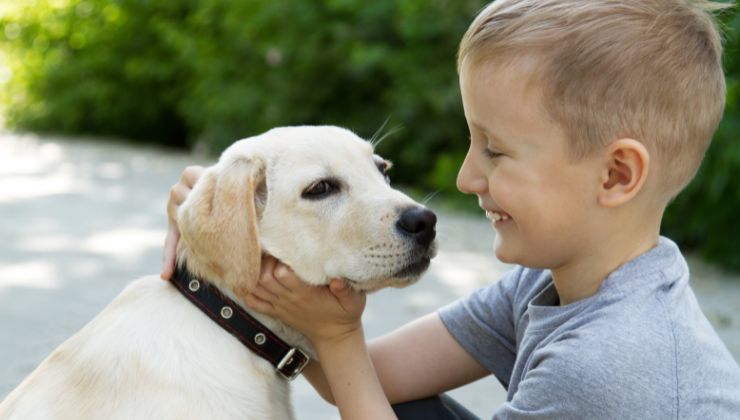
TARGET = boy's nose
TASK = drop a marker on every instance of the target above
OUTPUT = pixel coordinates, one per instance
(469, 179)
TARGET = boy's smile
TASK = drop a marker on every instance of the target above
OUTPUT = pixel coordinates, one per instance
(540, 201)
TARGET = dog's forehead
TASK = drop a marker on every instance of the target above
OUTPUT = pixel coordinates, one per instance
(305, 145)
(323, 142)
(307, 159)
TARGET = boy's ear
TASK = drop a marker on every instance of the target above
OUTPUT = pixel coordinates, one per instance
(625, 172)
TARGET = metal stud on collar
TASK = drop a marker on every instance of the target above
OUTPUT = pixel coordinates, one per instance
(194, 285)
(260, 339)
(226, 312)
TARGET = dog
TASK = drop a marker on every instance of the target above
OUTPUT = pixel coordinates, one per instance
(316, 198)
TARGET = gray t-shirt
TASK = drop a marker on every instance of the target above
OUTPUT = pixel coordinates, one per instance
(640, 348)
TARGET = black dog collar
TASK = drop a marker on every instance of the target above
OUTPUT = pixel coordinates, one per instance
(288, 361)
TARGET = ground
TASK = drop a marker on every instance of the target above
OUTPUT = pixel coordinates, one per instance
(79, 219)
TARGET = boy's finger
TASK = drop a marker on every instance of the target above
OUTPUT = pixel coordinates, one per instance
(350, 299)
(338, 286)
(274, 282)
(168, 255)
(264, 293)
(266, 267)
(287, 278)
(258, 304)
(191, 174)
(178, 194)
(267, 279)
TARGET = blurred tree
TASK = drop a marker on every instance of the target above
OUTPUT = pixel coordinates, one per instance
(181, 72)
(94, 67)
(705, 216)
(212, 71)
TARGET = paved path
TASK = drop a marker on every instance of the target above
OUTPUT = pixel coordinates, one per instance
(80, 219)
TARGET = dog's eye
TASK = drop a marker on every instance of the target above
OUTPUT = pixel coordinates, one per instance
(321, 189)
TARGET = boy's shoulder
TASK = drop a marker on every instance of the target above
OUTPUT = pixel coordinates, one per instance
(645, 336)
(639, 348)
(657, 354)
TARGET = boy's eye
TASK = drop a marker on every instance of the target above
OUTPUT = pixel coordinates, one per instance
(491, 154)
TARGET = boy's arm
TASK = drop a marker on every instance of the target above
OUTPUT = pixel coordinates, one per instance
(330, 318)
(351, 376)
(418, 360)
(422, 359)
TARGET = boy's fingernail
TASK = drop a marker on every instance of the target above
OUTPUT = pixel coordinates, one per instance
(339, 285)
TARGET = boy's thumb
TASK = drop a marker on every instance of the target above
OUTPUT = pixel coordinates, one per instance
(339, 287)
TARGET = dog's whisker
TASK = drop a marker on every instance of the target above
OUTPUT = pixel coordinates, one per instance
(390, 132)
(378, 138)
(374, 138)
(429, 197)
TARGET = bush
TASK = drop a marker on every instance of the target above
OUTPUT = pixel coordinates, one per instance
(705, 215)
(94, 67)
(212, 71)
(181, 72)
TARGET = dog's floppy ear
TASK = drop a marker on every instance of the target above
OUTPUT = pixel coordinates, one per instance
(218, 224)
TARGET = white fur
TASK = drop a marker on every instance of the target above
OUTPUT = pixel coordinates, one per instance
(151, 354)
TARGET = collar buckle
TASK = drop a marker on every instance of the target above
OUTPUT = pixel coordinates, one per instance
(293, 363)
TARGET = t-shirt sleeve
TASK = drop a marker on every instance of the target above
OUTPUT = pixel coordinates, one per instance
(484, 325)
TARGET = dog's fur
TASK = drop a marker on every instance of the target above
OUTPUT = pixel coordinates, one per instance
(152, 354)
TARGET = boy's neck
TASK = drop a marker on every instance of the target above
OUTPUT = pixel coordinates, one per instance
(582, 278)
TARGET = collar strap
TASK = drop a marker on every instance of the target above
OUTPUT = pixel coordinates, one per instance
(288, 361)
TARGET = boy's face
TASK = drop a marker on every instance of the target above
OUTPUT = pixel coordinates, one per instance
(541, 204)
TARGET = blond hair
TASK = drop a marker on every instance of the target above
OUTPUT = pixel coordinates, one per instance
(646, 69)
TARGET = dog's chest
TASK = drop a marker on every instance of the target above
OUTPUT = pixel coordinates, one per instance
(152, 354)
(219, 371)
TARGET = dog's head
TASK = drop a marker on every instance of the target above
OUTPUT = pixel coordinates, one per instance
(316, 198)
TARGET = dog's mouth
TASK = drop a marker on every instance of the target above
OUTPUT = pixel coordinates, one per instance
(414, 269)
(405, 276)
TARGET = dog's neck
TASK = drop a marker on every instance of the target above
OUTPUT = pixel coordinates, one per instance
(286, 333)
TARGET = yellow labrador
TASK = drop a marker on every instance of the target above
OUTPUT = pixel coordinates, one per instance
(316, 198)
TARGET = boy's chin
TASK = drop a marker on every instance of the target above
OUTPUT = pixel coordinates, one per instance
(499, 249)
(507, 259)
(505, 252)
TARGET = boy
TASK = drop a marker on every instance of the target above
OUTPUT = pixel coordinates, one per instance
(586, 118)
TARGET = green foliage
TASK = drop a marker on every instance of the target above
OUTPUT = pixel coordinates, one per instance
(93, 67)
(181, 72)
(212, 71)
(706, 215)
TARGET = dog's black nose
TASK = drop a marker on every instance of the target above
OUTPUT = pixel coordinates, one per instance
(418, 223)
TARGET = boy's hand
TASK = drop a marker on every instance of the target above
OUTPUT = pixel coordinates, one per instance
(178, 193)
(324, 314)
